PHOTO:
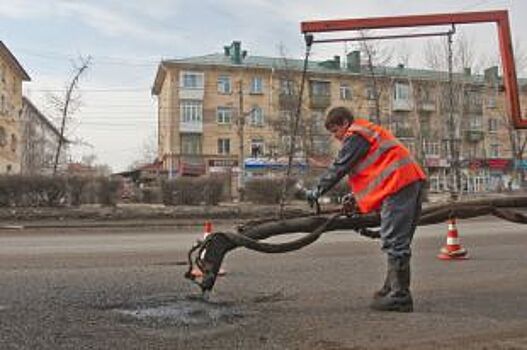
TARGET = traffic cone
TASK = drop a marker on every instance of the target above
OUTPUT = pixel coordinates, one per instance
(196, 272)
(453, 249)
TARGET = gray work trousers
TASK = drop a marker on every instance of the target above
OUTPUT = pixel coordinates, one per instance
(399, 216)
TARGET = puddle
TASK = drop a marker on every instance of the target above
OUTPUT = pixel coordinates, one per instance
(181, 312)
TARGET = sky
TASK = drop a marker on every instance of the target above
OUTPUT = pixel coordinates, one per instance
(117, 118)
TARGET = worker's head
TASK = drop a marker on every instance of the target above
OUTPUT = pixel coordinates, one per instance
(338, 121)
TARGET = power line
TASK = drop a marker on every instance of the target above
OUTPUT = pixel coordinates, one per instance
(110, 60)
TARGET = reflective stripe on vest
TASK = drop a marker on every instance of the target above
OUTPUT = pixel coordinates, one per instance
(372, 158)
(384, 174)
(371, 133)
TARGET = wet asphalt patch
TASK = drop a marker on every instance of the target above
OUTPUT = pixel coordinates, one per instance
(187, 311)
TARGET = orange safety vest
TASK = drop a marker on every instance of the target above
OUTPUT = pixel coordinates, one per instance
(387, 167)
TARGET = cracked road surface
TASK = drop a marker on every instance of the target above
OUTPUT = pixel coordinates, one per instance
(124, 289)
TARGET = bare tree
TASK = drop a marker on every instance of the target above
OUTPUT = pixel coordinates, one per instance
(149, 152)
(69, 103)
(459, 105)
(377, 57)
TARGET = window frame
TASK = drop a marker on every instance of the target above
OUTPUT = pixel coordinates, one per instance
(198, 83)
(345, 92)
(257, 116)
(195, 108)
(224, 84)
(257, 88)
(223, 146)
(222, 115)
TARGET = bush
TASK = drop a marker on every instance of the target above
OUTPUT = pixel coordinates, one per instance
(151, 195)
(268, 190)
(192, 190)
(34, 190)
(107, 191)
(76, 188)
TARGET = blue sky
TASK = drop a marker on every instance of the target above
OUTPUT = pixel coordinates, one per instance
(127, 40)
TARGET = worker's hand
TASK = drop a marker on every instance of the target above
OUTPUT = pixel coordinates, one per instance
(349, 204)
(312, 196)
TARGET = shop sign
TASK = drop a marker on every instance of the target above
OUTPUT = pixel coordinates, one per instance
(521, 164)
(436, 163)
(498, 163)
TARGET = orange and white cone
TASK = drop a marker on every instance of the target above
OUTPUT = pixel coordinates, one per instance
(453, 249)
(196, 272)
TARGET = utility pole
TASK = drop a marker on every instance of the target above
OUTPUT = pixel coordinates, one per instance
(455, 174)
(241, 160)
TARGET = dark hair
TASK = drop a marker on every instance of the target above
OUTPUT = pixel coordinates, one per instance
(338, 116)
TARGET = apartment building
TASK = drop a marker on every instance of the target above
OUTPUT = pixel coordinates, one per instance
(223, 110)
(12, 74)
(41, 140)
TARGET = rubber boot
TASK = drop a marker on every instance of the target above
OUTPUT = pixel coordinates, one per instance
(398, 297)
(386, 288)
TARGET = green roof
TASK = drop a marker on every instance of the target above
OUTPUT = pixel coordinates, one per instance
(321, 67)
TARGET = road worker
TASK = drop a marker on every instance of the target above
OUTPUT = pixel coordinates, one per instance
(383, 176)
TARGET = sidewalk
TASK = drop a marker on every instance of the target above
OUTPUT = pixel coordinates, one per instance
(144, 215)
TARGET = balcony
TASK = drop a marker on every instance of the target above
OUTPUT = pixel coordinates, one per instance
(191, 127)
(402, 105)
(191, 93)
(319, 101)
(474, 135)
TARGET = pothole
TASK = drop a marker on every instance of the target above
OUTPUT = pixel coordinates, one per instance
(181, 312)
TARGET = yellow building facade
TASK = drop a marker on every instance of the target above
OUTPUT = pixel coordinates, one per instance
(12, 75)
(220, 111)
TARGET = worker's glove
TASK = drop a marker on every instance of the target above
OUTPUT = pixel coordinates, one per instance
(312, 196)
(349, 204)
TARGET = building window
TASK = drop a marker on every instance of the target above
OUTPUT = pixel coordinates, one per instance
(370, 93)
(410, 145)
(191, 111)
(298, 145)
(3, 137)
(475, 122)
(318, 123)
(224, 146)
(257, 116)
(224, 84)
(14, 143)
(320, 88)
(493, 125)
(257, 85)
(191, 144)
(491, 101)
(401, 92)
(495, 150)
(192, 80)
(345, 92)
(224, 115)
(257, 148)
(287, 87)
(432, 149)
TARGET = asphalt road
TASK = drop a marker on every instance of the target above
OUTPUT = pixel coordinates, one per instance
(124, 289)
